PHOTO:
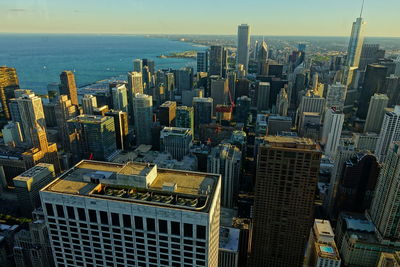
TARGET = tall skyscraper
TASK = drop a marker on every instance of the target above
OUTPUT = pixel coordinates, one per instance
(374, 82)
(287, 174)
(143, 117)
(133, 214)
(176, 141)
(65, 111)
(370, 54)
(332, 130)
(336, 96)
(226, 159)
(202, 61)
(138, 65)
(389, 133)
(203, 111)
(135, 86)
(92, 137)
(310, 103)
(8, 83)
(264, 90)
(121, 127)
(356, 42)
(218, 61)
(183, 79)
(120, 98)
(68, 86)
(282, 102)
(12, 134)
(243, 45)
(219, 91)
(89, 103)
(376, 112)
(384, 209)
(167, 114)
(184, 117)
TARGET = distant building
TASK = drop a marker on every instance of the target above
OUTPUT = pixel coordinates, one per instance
(89, 102)
(8, 83)
(202, 61)
(332, 131)
(370, 54)
(12, 134)
(228, 255)
(390, 132)
(167, 114)
(264, 90)
(282, 103)
(138, 65)
(336, 96)
(184, 117)
(176, 141)
(219, 92)
(183, 79)
(356, 43)
(243, 45)
(218, 60)
(203, 111)
(278, 124)
(143, 117)
(120, 98)
(68, 86)
(376, 112)
(365, 141)
(121, 128)
(64, 111)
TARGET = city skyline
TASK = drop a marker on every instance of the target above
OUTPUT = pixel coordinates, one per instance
(289, 18)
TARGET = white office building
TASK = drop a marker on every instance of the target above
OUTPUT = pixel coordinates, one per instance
(331, 131)
(176, 141)
(389, 133)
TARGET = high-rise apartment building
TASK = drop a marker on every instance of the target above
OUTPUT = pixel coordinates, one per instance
(176, 141)
(390, 132)
(331, 131)
(203, 111)
(133, 214)
(143, 117)
(263, 94)
(121, 128)
(167, 114)
(12, 134)
(92, 137)
(218, 60)
(282, 103)
(184, 117)
(120, 98)
(336, 96)
(8, 83)
(183, 79)
(310, 103)
(376, 112)
(219, 91)
(243, 45)
(370, 54)
(356, 42)
(202, 61)
(89, 103)
(135, 86)
(138, 65)
(64, 111)
(226, 159)
(287, 173)
(68, 86)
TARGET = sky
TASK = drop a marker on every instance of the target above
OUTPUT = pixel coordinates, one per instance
(266, 17)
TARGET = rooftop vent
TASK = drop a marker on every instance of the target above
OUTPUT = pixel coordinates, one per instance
(170, 187)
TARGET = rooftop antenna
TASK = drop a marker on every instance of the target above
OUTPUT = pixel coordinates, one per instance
(362, 8)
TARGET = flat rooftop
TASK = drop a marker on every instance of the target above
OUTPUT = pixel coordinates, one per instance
(138, 182)
(290, 142)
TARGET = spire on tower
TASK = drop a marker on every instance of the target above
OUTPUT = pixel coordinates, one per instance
(362, 8)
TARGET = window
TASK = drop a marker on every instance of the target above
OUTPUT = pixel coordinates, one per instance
(201, 232)
(81, 214)
(60, 211)
(139, 222)
(163, 226)
(71, 213)
(115, 219)
(127, 220)
(103, 217)
(92, 216)
(49, 209)
(151, 225)
(175, 228)
(188, 230)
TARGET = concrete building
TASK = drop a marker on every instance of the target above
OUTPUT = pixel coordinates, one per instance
(284, 197)
(68, 86)
(376, 112)
(176, 141)
(277, 124)
(167, 114)
(92, 137)
(226, 159)
(202, 61)
(243, 46)
(263, 94)
(28, 184)
(322, 250)
(184, 117)
(89, 103)
(310, 103)
(332, 131)
(143, 117)
(12, 134)
(120, 98)
(282, 103)
(8, 84)
(365, 141)
(228, 254)
(336, 96)
(389, 133)
(134, 215)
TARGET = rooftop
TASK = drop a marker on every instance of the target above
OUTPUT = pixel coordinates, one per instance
(290, 142)
(229, 239)
(138, 182)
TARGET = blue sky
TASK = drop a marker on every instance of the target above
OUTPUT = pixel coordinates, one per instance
(266, 17)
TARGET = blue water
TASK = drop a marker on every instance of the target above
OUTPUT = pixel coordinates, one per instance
(39, 59)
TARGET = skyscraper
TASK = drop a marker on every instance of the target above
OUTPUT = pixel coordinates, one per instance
(287, 173)
(138, 65)
(356, 42)
(262, 58)
(282, 102)
(68, 86)
(65, 111)
(332, 130)
(121, 127)
(143, 117)
(226, 159)
(243, 45)
(370, 54)
(89, 102)
(217, 60)
(134, 214)
(120, 97)
(202, 61)
(384, 205)
(176, 141)
(167, 114)
(390, 132)
(135, 86)
(183, 79)
(184, 117)
(264, 90)
(219, 92)
(310, 103)
(376, 112)
(203, 111)
(8, 83)
(336, 96)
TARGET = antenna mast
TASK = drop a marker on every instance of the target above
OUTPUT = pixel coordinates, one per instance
(362, 8)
